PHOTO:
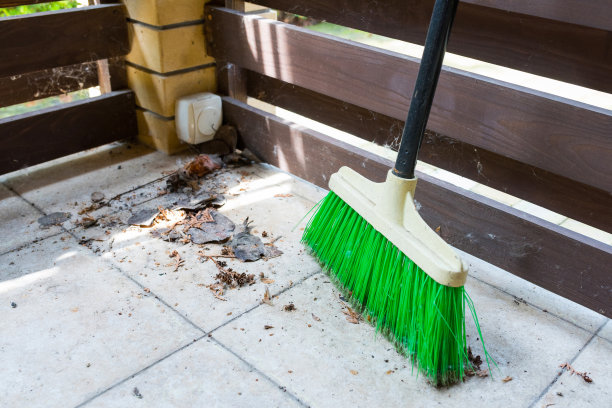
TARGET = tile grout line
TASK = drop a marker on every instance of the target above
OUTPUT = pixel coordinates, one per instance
(72, 233)
(118, 383)
(558, 374)
(255, 369)
(9, 188)
(205, 334)
(261, 303)
(538, 307)
(22, 246)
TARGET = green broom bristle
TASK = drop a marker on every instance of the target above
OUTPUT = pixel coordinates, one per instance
(425, 320)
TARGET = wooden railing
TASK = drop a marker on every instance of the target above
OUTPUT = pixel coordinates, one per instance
(53, 53)
(548, 150)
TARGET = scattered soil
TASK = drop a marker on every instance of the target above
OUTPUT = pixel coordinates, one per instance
(474, 368)
(230, 277)
(289, 308)
(476, 361)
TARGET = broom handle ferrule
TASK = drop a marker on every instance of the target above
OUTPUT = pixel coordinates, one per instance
(425, 87)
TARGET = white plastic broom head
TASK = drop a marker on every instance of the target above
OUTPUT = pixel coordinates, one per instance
(389, 208)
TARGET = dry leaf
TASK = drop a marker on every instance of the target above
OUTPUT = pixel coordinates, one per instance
(268, 327)
(266, 298)
(482, 373)
(200, 166)
(217, 290)
(315, 317)
(351, 316)
(507, 379)
(283, 195)
(354, 372)
(390, 372)
(267, 280)
(178, 261)
(572, 371)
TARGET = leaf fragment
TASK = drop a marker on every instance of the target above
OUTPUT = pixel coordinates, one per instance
(266, 298)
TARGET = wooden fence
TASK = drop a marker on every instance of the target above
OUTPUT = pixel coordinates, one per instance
(551, 151)
(52, 53)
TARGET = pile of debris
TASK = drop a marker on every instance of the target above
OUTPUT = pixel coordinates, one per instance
(190, 214)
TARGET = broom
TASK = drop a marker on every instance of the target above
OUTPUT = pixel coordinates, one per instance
(394, 268)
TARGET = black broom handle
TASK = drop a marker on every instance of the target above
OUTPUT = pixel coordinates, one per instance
(425, 87)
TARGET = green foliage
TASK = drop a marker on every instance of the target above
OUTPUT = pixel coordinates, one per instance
(42, 103)
(35, 8)
(425, 320)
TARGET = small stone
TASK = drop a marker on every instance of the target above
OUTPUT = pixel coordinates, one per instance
(97, 196)
(13, 305)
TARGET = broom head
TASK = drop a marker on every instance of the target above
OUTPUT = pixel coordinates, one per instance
(395, 269)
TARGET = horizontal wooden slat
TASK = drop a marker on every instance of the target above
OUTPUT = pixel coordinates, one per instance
(54, 132)
(559, 260)
(58, 38)
(575, 200)
(557, 135)
(14, 3)
(567, 52)
(50, 82)
(592, 13)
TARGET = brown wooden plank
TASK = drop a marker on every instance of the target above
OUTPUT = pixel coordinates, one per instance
(15, 3)
(54, 132)
(50, 82)
(559, 260)
(117, 73)
(541, 46)
(575, 200)
(231, 79)
(592, 13)
(46, 40)
(557, 135)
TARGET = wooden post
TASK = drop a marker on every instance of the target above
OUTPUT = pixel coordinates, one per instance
(232, 78)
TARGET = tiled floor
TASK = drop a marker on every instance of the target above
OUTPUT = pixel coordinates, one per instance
(111, 324)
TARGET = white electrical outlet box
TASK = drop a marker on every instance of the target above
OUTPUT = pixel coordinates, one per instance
(198, 117)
